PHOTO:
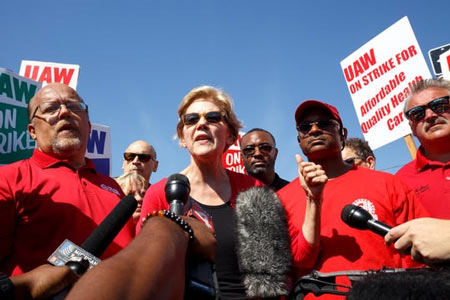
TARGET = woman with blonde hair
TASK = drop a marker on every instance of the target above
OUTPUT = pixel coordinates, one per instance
(206, 128)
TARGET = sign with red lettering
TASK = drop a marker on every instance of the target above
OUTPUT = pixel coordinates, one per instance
(232, 158)
(15, 94)
(379, 76)
(445, 65)
(48, 72)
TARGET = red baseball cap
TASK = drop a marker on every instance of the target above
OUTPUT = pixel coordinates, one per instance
(315, 103)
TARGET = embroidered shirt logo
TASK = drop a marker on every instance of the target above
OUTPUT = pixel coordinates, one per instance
(110, 189)
(421, 189)
(367, 205)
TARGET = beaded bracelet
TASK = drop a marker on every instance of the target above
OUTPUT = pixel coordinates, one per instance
(174, 217)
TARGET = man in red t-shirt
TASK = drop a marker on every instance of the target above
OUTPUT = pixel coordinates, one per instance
(57, 193)
(428, 112)
(320, 240)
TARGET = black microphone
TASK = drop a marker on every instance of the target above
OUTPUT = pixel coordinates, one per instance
(104, 234)
(263, 243)
(98, 240)
(357, 217)
(177, 192)
(201, 281)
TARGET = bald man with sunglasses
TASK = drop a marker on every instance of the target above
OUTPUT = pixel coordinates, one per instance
(140, 157)
(428, 112)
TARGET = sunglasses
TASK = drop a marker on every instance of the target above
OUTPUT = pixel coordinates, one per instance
(263, 149)
(439, 106)
(304, 128)
(142, 157)
(351, 160)
(211, 117)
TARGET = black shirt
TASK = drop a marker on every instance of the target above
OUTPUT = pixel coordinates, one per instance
(227, 269)
(278, 183)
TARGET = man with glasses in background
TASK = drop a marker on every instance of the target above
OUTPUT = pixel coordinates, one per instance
(54, 195)
(428, 111)
(358, 152)
(259, 154)
(320, 240)
(140, 157)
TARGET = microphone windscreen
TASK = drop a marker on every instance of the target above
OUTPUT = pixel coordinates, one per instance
(104, 234)
(263, 243)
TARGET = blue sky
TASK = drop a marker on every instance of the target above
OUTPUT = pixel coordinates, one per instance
(139, 58)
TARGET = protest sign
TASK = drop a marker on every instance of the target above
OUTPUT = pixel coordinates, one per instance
(232, 158)
(379, 76)
(48, 72)
(15, 94)
(435, 58)
(445, 65)
(99, 148)
(99, 142)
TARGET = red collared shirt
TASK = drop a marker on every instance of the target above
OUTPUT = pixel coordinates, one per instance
(43, 201)
(431, 181)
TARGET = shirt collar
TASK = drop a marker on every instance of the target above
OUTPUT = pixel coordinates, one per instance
(422, 162)
(45, 160)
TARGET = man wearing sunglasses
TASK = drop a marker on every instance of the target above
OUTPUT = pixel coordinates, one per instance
(259, 153)
(428, 112)
(320, 240)
(358, 152)
(140, 157)
(57, 193)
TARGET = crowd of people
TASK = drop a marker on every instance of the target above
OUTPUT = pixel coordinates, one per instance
(57, 194)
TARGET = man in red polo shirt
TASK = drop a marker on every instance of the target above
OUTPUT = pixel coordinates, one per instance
(428, 112)
(57, 193)
(320, 240)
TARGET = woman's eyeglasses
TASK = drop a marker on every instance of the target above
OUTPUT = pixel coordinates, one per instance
(263, 148)
(142, 157)
(304, 128)
(211, 117)
(439, 106)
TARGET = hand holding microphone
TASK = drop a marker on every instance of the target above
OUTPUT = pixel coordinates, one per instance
(427, 239)
(204, 245)
(43, 282)
(97, 242)
(201, 281)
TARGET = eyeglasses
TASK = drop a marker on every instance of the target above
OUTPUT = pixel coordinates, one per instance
(263, 148)
(351, 160)
(50, 108)
(142, 157)
(439, 106)
(211, 117)
(304, 128)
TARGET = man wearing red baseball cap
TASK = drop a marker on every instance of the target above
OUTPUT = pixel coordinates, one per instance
(320, 240)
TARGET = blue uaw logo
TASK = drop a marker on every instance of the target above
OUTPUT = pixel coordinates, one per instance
(367, 205)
